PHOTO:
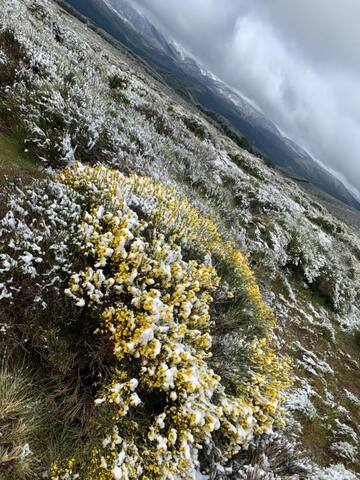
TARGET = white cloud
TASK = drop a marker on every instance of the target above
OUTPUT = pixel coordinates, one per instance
(297, 60)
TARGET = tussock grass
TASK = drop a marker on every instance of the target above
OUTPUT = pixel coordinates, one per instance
(23, 423)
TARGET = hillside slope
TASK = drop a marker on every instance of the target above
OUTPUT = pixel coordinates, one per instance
(197, 85)
(68, 94)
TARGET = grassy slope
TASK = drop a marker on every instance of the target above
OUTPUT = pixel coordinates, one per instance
(293, 315)
(13, 161)
(307, 339)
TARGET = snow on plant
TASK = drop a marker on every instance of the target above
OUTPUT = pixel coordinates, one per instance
(271, 457)
(154, 303)
(345, 450)
(65, 100)
(346, 431)
(37, 239)
(299, 400)
(3, 58)
(353, 399)
(336, 472)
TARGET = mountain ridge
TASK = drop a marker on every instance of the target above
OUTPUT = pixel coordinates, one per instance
(136, 32)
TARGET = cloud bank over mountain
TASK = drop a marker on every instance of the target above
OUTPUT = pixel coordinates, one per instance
(298, 62)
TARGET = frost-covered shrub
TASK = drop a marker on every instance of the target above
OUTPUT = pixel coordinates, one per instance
(336, 472)
(145, 282)
(12, 57)
(117, 81)
(315, 261)
(270, 457)
(38, 235)
(299, 400)
(338, 288)
(195, 126)
(273, 456)
(310, 257)
(154, 302)
(159, 120)
(38, 253)
(345, 450)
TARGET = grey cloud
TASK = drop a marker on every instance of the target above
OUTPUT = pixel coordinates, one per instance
(326, 30)
(298, 61)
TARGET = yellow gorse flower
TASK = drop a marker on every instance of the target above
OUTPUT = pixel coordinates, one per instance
(156, 311)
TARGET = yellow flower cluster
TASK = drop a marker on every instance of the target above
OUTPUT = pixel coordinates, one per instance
(65, 472)
(156, 309)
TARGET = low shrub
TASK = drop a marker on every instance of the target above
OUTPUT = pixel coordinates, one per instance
(196, 127)
(13, 56)
(115, 82)
(154, 306)
(125, 283)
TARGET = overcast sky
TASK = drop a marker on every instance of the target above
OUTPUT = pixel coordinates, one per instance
(299, 61)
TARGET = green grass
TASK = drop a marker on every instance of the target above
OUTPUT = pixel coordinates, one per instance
(24, 425)
(12, 158)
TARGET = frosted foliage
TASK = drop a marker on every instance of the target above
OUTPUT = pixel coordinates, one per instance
(75, 97)
(37, 238)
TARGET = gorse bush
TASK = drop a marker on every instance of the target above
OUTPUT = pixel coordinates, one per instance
(153, 302)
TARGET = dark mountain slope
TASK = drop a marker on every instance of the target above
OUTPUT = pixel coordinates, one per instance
(185, 75)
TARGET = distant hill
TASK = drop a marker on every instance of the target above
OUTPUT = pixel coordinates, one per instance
(183, 73)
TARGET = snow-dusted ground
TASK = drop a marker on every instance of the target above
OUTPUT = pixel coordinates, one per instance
(307, 261)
